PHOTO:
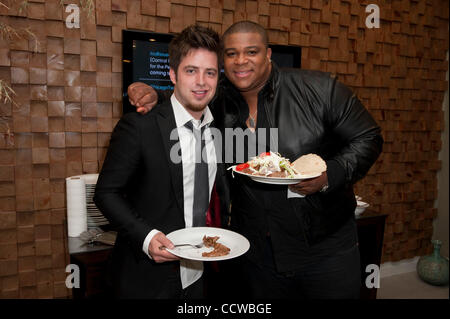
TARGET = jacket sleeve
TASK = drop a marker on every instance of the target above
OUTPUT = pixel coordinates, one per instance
(120, 166)
(358, 132)
(163, 96)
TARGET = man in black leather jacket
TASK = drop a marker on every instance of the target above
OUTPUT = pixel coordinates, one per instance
(301, 247)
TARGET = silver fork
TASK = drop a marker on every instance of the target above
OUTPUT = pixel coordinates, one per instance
(195, 246)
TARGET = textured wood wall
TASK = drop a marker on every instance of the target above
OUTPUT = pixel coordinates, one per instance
(68, 86)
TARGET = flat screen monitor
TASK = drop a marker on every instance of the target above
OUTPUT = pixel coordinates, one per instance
(286, 56)
(146, 59)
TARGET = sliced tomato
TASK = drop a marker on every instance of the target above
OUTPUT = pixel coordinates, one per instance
(242, 166)
(264, 154)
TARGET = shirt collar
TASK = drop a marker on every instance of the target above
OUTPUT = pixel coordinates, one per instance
(182, 116)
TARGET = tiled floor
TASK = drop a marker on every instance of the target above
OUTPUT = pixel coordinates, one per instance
(409, 286)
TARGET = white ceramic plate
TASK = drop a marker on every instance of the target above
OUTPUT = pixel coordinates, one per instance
(237, 243)
(276, 180)
(360, 207)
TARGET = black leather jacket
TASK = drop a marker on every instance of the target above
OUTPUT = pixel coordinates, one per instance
(314, 113)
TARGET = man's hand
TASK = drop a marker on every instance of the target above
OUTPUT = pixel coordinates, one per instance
(157, 251)
(310, 186)
(142, 96)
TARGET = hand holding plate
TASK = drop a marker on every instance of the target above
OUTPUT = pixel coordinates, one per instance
(311, 185)
(157, 251)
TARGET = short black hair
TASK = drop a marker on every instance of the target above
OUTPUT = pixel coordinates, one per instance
(194, 37)
(245, 27)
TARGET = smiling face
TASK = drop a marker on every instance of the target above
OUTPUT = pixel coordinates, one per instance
(196, 80)
(246, 61)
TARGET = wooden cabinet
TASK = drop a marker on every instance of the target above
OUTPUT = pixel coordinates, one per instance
(92, 260)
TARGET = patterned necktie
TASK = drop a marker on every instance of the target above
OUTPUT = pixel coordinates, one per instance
(201, 181)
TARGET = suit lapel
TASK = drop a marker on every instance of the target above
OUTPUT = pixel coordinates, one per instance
(218, 147)
(170, 140)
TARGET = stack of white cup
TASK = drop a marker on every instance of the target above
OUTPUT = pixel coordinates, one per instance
(76, 206)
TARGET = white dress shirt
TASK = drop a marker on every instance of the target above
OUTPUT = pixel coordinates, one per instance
(190, 270)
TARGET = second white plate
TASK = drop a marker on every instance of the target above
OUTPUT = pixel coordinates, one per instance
(237, 243)
(277, 180)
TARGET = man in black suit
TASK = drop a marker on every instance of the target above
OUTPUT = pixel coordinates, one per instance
(147, 188)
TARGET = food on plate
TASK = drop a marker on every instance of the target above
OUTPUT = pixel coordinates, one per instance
(268, 164)
(210, 241)
(219, 249)
(309, 164)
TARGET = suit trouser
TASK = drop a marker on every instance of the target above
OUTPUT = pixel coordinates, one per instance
(337, 276)
(173, 290)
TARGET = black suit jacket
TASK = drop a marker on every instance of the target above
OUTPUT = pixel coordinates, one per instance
(140, 189)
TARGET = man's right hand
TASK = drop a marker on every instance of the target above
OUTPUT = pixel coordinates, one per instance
(157, 250)
(142, 96)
